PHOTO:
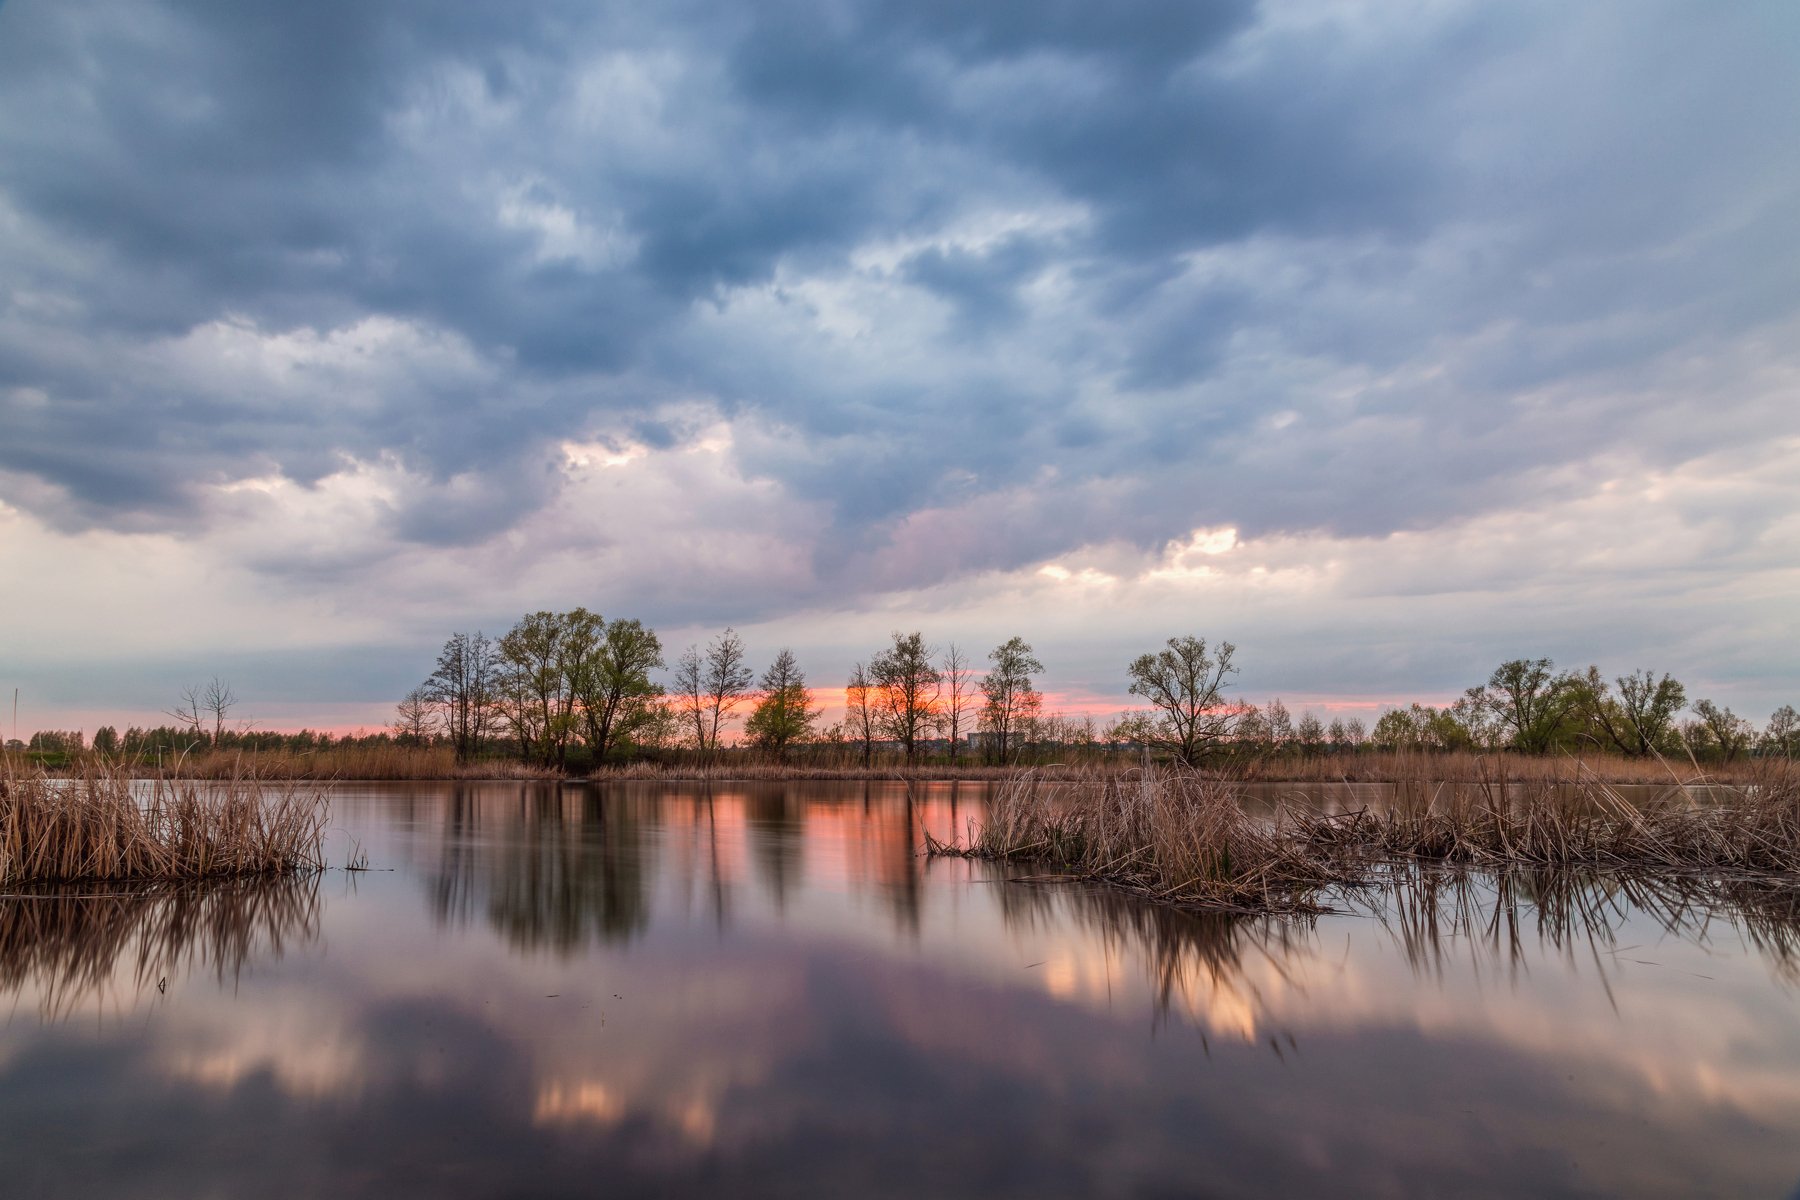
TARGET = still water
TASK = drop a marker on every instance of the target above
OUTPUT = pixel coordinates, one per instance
(762, 990)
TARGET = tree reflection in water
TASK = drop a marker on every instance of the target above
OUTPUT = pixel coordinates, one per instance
(553, 867)
(75, 946)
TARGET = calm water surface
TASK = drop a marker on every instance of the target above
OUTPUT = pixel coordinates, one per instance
(762, 991)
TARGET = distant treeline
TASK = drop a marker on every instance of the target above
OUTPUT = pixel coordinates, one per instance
(571, 691)
(168, 742)
(563, 689)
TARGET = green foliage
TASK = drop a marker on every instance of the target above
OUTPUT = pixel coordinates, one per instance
(613, 689)
(784, 714)
(1782, 737)
(905, 689)
(1010, 701)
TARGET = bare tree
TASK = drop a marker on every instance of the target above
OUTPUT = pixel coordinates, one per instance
(959, 692)
(859, 714)
(217, 700)
(689, 690)
(708, 686)
(1185, 686)
(462, 688)
(413, 717)
(187, 711)
(210, 701)
(908, 687)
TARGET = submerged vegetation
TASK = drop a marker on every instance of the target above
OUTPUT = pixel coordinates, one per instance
(101, 825)
(1178, 837)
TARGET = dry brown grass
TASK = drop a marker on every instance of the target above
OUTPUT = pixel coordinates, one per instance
(1178, 837)
(99, 825)
(1170, 835)
(385, 763)
(1581, 821)
(1407, 766)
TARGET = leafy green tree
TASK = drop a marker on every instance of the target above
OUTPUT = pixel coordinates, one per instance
(1185, 687)
(1640, 721)
(1310, 732)
(613, 689)
(906, 689)
(1280, 723)
(784, 714)
(106, 740)
(1010, 700)
(538, 659)
(1729, 734)
(1782, 737)
(1532, 702)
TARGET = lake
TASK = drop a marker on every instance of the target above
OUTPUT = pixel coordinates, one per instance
(764, 990)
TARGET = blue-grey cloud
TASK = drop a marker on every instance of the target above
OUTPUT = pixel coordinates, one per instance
(1135, 269)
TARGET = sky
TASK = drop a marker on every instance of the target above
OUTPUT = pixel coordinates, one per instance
(1387, 341)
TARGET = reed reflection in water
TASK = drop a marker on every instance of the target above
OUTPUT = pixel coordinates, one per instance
(77, 946)
(1505, 918)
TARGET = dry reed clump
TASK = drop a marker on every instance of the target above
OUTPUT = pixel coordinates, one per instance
(1753, 827)
(1406, 766)
(1172, 836)
(100, 825)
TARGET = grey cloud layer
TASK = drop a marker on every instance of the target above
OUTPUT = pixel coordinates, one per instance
(1096, 271)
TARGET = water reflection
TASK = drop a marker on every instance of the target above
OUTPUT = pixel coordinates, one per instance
(765, 991)
(557, 867)
(75, 946)
(1506, 918)
(551, 868)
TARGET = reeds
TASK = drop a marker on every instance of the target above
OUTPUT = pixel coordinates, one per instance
(1178, 837)
(1404, 766)
(101, 825)
(1579, 821)
(385, 763)
(1172, 836)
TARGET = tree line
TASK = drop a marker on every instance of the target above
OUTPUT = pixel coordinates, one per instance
(561, 685)
(571, 689)
(563, 682)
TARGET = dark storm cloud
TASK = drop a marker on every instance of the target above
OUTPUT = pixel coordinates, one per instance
(1228, 220)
